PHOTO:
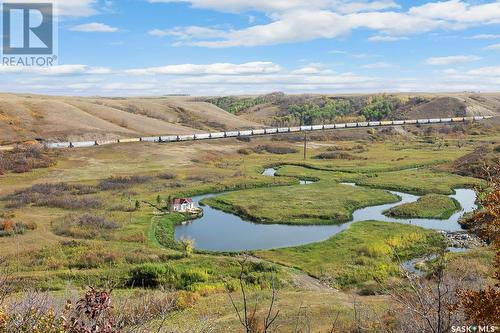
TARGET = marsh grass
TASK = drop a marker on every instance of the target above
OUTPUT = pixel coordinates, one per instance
(364, 252)
(321, 203)
(432, 206)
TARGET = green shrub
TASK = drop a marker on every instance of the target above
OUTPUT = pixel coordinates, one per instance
(152, 275)
(263, 266)
(193, 276)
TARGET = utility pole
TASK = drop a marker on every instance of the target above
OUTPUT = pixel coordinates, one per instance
(305, 145)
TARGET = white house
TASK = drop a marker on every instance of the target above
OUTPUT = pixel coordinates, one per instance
(183, 205)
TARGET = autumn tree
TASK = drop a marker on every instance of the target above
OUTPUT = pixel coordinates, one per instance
(483, 306)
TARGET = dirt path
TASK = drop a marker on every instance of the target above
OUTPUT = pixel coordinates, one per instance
(306, 282)
(300, 279)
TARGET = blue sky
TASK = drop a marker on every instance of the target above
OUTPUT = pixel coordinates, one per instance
(206, 47)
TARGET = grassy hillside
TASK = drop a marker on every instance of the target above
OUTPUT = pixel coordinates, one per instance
(280, 109)
(27, 117)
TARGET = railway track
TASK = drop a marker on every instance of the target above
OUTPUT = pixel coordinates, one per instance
(255, 132)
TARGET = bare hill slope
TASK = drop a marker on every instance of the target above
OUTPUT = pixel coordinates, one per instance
(27, 117)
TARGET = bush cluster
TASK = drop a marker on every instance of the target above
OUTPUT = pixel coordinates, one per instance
(24, 159)
(337, 155)
(59, 195)
(84, 226)
(279, 150)
(152, 275)
(117, 183)
(10, 228)
(167, 175)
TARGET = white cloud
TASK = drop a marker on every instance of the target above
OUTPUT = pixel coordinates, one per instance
(485, 36)
(383, 38)
(257, 67)
(272, 6)
(459, 11)
(493, 47)
(377, 65)
(94, 27)
(222, 79)
(189, 32)
(330, 19)
(451, 71)
(493, 71)
(313, 69)
(439, 61)
(56, 70)
(289, 27)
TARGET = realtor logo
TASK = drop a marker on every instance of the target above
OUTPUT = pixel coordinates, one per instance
(28, 28)
(28, 34)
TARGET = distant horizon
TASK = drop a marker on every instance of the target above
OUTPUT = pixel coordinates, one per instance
(444, 93)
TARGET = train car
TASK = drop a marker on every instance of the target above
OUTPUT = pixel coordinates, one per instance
(283, 130)
(374, 123)
(410, 122)
(317, 127)
(468, 118)
(457, 119)
(57, 145)
(246, 133)
(340, 125)
(150, 139)
(127, 140)
(105, 142)
(82, 144)
(259, 131)
(9, 148)
(232, 134)
(202, 136)
(423, 121)
(478, 118)
(294, 129)
(305, 128)
(446, 120)
(169, 138)
(395, 122)
(217, 135)
(271, 130)
(434, 121)
(363, 124)
(329, 126)
(186, 137)
(350, 125)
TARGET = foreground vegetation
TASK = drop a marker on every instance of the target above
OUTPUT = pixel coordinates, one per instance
(431, 206)
(366, 251)
(89, 219)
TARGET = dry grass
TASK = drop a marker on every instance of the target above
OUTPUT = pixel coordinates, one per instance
(25, 117)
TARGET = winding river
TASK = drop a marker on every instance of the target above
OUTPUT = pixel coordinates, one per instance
(220, 231)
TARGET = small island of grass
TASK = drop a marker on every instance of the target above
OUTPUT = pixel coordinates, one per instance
(320, 203)
(432, 206)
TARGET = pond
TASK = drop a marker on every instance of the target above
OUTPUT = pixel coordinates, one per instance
(220, 231)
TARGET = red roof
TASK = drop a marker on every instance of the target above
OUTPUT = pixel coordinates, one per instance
(180, 201)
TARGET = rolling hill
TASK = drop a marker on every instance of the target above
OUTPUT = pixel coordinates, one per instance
(26, 117)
